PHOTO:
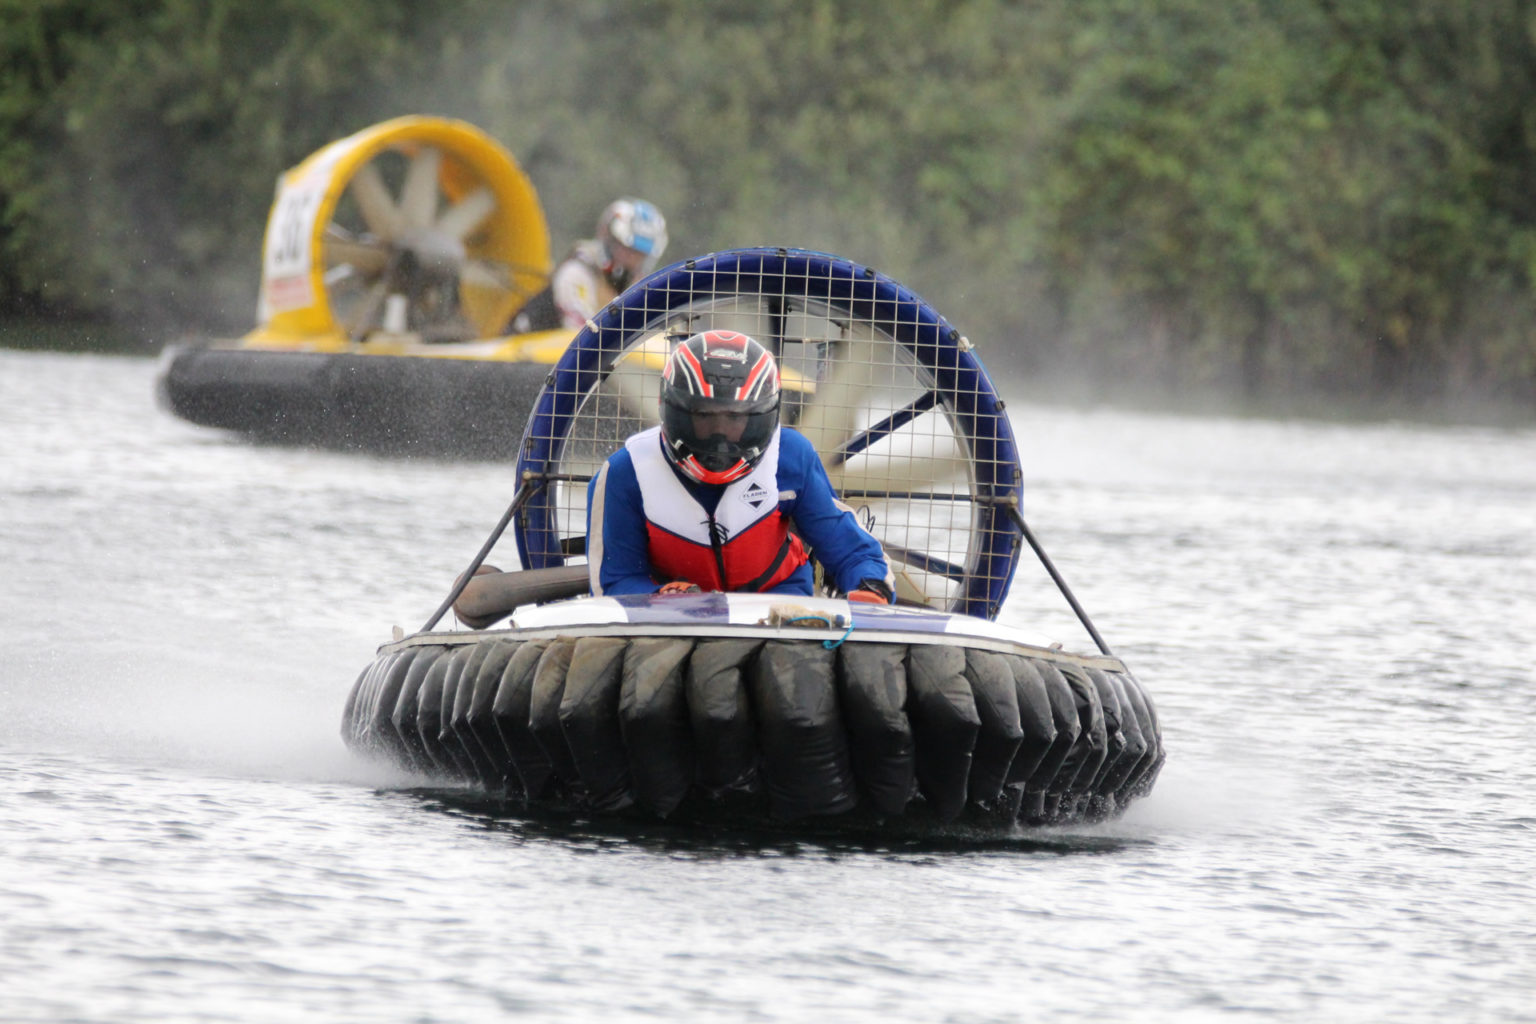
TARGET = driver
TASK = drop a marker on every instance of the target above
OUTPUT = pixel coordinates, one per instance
(706, 500)
(631, 236)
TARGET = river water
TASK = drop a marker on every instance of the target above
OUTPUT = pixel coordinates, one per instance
(1336, 622)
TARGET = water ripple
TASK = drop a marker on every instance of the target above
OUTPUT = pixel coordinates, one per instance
(1331, 621)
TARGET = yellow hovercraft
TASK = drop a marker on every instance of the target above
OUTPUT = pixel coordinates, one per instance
(393, 261)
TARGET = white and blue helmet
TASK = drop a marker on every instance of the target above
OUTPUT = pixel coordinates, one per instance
(636, 226)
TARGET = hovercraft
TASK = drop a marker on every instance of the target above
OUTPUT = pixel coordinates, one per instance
(762, 709)
(393, 261)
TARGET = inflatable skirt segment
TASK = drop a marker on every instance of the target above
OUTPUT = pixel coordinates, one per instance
(760, 730)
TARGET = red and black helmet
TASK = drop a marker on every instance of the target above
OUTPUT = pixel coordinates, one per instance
(719, 405)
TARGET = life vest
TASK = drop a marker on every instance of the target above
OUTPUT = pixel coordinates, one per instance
(744, 545)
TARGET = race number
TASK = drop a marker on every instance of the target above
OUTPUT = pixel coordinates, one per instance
(289, 249)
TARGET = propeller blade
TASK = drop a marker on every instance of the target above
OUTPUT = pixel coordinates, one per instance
(418, 197)
(462, 218)
(366, 257)
(914, 585)
(375, 203)
(912, 450)
(902, 476)
(879, 431)
(367, 309)
(636, 377)
(927, 563)
(831, 418)
(486, 274)
(908, 590)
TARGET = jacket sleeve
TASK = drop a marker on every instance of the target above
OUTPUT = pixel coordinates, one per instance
(575, 288)
(847, 551)
(618, 556)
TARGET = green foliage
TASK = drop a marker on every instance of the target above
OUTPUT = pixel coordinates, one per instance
(144, 139)
(1262, 195)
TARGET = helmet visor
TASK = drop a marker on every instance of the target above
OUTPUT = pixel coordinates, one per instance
(719, 433)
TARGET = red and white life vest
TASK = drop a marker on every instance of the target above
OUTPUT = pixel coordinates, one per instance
(747, 540)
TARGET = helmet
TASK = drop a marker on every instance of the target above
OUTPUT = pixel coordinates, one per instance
(633, 234)
(719, 405)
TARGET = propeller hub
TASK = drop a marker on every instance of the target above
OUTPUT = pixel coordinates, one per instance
(430, 255)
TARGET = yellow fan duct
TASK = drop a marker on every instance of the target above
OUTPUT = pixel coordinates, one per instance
(418, 225)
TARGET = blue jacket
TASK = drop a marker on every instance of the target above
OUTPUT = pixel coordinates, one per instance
(847, 551)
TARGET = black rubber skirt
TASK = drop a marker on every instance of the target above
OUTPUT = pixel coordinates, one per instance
(398, 405)
(763, 730)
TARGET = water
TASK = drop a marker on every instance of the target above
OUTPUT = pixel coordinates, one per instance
(1335, 621)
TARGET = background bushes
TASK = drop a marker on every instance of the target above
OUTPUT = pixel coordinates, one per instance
(1294, 197)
